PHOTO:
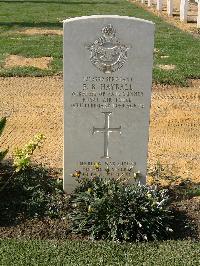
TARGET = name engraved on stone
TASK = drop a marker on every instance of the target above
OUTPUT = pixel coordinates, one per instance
(106, 130)
(96, 93)
(107, 53)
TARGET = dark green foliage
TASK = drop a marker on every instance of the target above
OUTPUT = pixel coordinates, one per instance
(113, 210)
(192, 191)
(29, 193)
(3, 154)
(2, 126)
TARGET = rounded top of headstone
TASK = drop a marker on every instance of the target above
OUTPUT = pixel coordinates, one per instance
(107, 16)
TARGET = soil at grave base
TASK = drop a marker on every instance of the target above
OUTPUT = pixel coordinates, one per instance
(58, 229)
(190, 26)
(36, 105)
(43, 229)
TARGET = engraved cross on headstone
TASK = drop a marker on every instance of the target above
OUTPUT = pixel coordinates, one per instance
(106, 130)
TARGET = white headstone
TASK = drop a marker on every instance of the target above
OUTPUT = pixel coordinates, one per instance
(183, 10)
(159, 5)
(170, 7)
(198, 16)
(107, 91)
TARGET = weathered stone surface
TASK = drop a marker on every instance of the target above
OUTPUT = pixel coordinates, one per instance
(107, 91)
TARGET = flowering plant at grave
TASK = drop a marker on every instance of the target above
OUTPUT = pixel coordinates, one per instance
(22, 157)
(113, 209)
(81, 177)
(2, 126)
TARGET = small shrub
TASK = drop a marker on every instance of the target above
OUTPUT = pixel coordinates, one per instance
(31, 193)
(111, 209)
(27, 190)
(22, 157)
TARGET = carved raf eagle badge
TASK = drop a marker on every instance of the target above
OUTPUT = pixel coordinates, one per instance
(107, 53)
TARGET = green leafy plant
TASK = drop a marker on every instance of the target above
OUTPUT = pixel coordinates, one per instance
(31, 193)
(2, 126)
(22, 157)
(29, 190)
(115, 210)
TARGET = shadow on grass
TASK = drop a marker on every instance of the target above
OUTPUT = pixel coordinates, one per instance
(183, 226)
(32, 24)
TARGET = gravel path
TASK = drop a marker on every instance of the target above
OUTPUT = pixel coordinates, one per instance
(35, 105)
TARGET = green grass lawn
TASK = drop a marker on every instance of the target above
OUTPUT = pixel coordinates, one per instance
(182, 48)
(85, 253)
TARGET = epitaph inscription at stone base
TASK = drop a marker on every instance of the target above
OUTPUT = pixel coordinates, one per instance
(107, 95)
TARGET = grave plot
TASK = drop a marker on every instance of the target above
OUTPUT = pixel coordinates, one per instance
(174, 129)
(21, 61)
(39, 31)
(35, 105)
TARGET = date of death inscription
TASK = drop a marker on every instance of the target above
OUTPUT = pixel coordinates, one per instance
(111, 168)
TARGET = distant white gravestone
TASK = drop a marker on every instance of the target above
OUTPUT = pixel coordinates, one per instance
(198, 15)
(183, 10)
(107, 95)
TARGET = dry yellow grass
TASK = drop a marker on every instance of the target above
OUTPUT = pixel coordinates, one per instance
(36, 105)
(38, 31)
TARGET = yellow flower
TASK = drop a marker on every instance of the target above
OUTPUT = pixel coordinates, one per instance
(76, 174)
(89, 190)
(136, 174)
(149, 195)
(96, 166)
(90, 209)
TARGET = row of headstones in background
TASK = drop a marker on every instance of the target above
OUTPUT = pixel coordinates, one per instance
(183, 9)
